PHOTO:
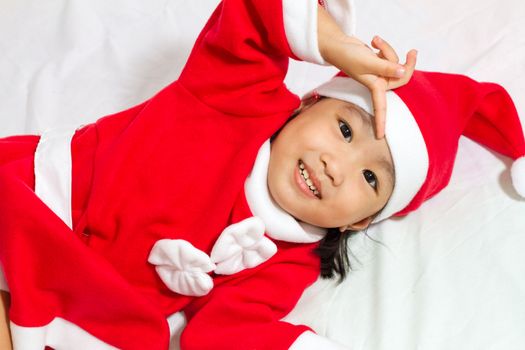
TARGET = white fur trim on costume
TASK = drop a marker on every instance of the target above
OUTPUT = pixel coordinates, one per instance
(406, 143)
(300, 25)
(242, 245)
(279, 224)
(182, 267)
(58, 334)
(311, 341)
(517, 173)
(176, 322)
(343, 12)
(53, 171)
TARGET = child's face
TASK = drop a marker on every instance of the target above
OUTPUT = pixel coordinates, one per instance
(351, 171)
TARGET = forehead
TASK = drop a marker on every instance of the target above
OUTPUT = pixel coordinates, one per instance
(346, 109)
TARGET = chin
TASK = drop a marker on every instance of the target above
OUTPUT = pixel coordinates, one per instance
(307, 217)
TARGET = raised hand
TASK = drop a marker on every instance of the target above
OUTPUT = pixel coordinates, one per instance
(379, 71)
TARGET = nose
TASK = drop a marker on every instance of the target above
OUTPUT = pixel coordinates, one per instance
(332, 168)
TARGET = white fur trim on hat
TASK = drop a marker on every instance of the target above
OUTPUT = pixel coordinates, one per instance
(517, 173)
(300, 25)
(404, 138)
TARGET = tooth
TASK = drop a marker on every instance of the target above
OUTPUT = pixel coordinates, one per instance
(305, 174)
(301, 165)
(316, 192)
(309, 182)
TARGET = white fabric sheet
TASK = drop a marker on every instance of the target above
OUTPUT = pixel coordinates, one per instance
(449, 276)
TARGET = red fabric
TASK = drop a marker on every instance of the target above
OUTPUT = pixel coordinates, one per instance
(52, 274)
(17, 157)
(171, 167)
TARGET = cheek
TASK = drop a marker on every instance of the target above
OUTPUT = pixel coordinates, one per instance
(353, 204)
(278, 178)
(320, 134)
(310, 132)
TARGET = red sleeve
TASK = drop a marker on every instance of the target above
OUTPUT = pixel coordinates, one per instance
(246, 312)
(240, 59)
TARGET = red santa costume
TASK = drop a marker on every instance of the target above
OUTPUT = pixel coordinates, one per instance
(109, 229)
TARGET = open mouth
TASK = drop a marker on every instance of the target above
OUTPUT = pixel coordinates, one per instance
(305, 175)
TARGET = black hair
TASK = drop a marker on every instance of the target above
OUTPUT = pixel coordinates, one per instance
(334, 253)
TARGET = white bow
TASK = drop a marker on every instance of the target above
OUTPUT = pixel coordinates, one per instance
(182, 267)
(241, 246)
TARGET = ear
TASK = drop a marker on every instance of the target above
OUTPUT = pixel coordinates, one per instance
(361, 225)
(343, 228)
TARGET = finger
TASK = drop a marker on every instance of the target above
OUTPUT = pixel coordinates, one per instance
(411, 61)
(380, 67)
(379, 102)
(410, 66)
(385, 49)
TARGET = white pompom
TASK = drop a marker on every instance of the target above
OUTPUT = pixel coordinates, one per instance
(517, 173)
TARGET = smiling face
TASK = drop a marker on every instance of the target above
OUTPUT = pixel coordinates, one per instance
(328, 169)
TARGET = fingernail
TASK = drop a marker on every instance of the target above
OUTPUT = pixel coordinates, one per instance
(400, 72)
(377, 38)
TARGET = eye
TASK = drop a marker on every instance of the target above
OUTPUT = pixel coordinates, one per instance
(371, 178)
(346, 131)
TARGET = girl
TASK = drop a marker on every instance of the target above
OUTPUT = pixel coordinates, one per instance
(325, 168)
(159, 193)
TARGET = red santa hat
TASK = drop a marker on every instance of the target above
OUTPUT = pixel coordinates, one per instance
(425, 119)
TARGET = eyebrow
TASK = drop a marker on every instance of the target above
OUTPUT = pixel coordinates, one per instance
(366, 118)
